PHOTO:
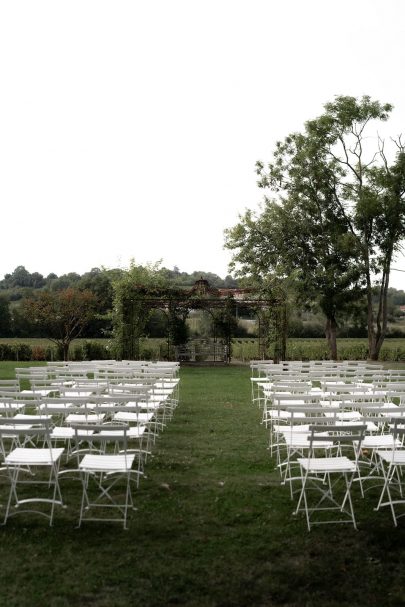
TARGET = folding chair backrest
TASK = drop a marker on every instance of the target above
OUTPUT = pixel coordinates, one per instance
(340, 433)
(30, 427)
(309, 416)
(101, 435)
(398, 431)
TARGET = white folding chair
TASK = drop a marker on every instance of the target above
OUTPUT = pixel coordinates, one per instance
(26, 466)
(393, 466)
(323, 474)
(102, 472)
(295, 441)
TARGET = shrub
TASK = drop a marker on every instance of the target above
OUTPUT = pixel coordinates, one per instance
(153, 349)
(23, 352)
(92, 350)
(6, 352)
(50, 353)
(78, 352)
(38, 353)
(353, 350)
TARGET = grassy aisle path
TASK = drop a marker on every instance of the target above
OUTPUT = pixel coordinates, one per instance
(212, 458)
(213, 528)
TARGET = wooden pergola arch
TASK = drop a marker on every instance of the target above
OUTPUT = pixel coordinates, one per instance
(177, 303)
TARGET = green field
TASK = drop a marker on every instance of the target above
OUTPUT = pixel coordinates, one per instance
(213, 528)
(316, 349)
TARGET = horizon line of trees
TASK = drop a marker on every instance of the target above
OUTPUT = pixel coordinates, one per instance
(20, 287)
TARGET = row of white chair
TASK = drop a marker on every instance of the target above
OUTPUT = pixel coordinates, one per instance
(313, 423)
(106, 433)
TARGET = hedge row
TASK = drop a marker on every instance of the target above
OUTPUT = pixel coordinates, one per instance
(242, 349)
(151, 349)
(25, 352)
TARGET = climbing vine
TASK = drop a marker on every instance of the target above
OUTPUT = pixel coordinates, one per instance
(141, 290)
(131, 310)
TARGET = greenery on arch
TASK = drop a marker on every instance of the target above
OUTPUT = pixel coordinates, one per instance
(140, 291)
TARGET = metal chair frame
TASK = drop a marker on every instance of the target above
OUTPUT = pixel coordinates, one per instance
(102, 471)
(317, 472)
(21, 460)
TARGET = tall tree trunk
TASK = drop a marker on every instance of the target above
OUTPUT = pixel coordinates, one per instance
(330, 334)
(382, 316)
(370, 311)
(65, 347)
(377, 332)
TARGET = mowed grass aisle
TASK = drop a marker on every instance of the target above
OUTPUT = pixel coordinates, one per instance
(213, 528)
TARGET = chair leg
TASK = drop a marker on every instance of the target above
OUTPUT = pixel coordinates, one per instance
(13, 473)
(388, 474)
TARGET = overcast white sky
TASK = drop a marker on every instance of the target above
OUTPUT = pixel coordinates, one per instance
(130, 129)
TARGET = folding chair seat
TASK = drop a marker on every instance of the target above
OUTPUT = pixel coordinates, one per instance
(323, 475)
(66, 435)
(296, 444)
(136, 446)
(370, 462)
(26, 466)
(142, 426)
(63, 413)
(295, 441)
(101, 474)
(86, 415)
(277, 404)
(57, 408)
(140, 433)
(84, 387)
(278, 411)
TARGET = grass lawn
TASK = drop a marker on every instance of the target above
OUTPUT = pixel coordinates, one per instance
(213, 527)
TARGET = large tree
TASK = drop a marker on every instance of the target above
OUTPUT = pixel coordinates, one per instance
(311, 255)
(343, 203)
(369, 186)
(60, 316)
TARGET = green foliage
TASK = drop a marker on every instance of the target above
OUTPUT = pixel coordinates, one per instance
(157, 325)
(22, 278)
(21, 284)
(131, 311)
(18, 351)
(60, 315)
(370, 190)
(338, 219)
(23, 352)
(5, 318)
(91, 350)
(177, 326)
(182, 279)
(7, 352)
